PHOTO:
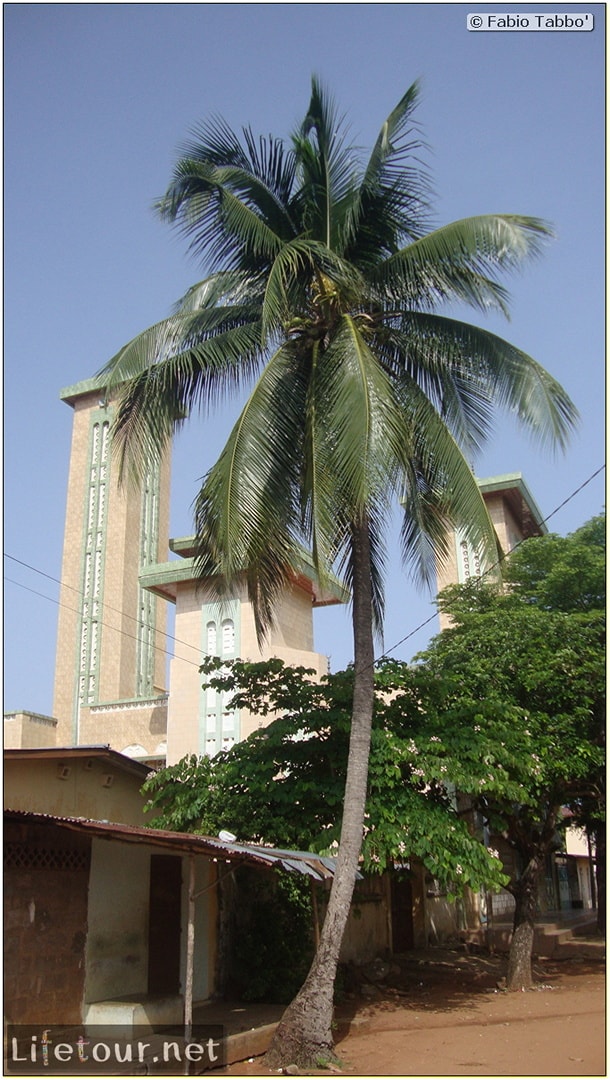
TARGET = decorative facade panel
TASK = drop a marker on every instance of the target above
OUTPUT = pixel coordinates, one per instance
(469, 560)
(93, 560)
(147, 604)
(219, 724)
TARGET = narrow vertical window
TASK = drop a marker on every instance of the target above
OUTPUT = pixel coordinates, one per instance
(228, 637)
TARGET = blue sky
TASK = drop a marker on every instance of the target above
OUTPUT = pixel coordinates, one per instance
(97, 99)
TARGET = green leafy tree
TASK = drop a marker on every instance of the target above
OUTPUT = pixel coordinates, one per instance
(537, 649)
(569, 574)
(325, 279)
(284, 784)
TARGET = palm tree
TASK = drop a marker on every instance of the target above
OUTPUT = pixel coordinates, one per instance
(324, 280)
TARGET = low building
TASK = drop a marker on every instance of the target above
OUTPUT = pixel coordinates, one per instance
(114, 924)
(76, 781)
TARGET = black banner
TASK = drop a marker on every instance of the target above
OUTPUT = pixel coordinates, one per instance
(111, 1050)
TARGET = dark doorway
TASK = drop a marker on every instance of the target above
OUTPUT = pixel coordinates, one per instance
(164, 924)
(402, 913)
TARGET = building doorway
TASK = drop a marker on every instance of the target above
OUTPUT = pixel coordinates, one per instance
(164, 924)
(402, 913)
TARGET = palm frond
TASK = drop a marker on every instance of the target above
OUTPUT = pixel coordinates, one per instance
(389, 205)
(263, 169)
(360, 410)
(226, 287)
(461, 261)
(327, 165)
(469, 372)
(152, 405)
(440, 492)
(191, 359)
(386, 163)
(247, 508)
(224, 207)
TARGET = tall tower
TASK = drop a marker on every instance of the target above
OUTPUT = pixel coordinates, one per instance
(514, 516)
(110, 674)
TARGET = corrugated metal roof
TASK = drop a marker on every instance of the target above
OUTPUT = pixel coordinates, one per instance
(318, 867)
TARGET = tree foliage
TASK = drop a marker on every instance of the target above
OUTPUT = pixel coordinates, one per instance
(284, 784)
(536, 647)
(538, 644)
(506, 708)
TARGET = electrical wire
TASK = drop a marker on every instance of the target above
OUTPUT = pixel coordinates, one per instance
(117, 611)
(186, 644)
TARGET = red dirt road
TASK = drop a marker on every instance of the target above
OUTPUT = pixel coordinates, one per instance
(545, 1032)
(448, 1017)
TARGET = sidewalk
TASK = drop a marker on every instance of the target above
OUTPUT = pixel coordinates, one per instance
(248, 1026)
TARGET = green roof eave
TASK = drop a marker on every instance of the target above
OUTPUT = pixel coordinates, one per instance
(163, 578)
(80, 389)
(530, 514)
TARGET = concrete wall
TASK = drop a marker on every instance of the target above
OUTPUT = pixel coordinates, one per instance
(117, 941)
(367, 934)
(126, 723)
(74, 787)
(508, 530)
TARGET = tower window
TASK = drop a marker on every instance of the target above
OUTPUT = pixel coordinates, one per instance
(228, 637)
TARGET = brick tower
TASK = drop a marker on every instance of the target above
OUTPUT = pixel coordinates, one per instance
(110, 674)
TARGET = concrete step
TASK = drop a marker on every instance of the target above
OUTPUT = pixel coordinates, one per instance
(556, 938)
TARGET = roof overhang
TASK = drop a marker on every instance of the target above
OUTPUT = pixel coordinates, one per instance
(71, 394)
(519, 499)
(163, 579)
(318, 867)
(70, 753)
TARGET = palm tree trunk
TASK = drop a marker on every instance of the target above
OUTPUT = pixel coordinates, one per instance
(304, 1034)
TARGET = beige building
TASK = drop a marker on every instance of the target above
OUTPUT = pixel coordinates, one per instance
(110, 682)
(114, 682)
(199, 719)
(78, 781)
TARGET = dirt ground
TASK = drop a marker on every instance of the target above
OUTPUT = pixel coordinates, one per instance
(449, 1016)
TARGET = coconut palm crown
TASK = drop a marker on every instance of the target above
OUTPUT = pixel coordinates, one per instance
(323, 293)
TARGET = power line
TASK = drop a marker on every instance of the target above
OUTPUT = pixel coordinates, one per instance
(187, 644)
(108, 626)
(109, 607)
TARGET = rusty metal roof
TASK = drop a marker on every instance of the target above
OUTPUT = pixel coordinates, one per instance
(318, 867)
